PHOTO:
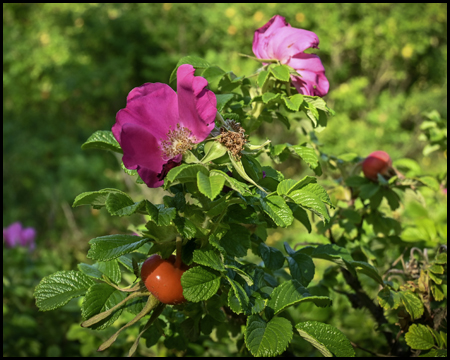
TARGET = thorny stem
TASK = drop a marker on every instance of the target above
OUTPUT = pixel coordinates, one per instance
(400, 258)
(370, 352)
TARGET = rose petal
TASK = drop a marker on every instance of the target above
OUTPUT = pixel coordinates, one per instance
(264, 34)
(27, 237)
(152, 106)
(197, 106)
(142, 151)
(288, 41)
(312, 71)
(12, 233)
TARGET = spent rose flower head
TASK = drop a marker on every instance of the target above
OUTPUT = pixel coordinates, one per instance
(278, 40)
(158, 125)
(15, 235)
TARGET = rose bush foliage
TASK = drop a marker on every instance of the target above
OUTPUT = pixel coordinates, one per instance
(221, 202)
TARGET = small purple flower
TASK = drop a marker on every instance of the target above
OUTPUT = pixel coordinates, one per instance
(158, 125)
(14, 235)
(278, 40)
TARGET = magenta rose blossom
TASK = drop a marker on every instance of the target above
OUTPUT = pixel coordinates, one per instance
(278, 40)
(158, 125)
(15, 235)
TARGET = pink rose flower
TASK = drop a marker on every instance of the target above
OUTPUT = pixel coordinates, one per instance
(14, 235)
(158, 125)
(278, 40)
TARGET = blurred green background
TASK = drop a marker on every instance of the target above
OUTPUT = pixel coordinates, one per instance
(67, 69)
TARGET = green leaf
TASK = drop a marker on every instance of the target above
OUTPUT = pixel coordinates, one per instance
(247, 278)
(159, 214)
(199, 283)
(236, 241)
(312, 113)
(419, 337)
(369, 190)
(267, 338)
(252, 167)
(367, 269)
(109, 247)
(291, 293)
(334, 253)
(185, 227)
(429, 181)
(183, 173)
(95, 198)
(318, 103)
(412, 303)
(195, 61)
(435, 353)
(210, 186)
(392, 198)
(208, 258)
(237, 298)
(319, 191)
(213, 150)
(262, 78)
(213, 74)
(99, 298)
(301, 268)
(351, 215)
(356, 181)
(278, 210)
(223, 100)
(289, 185)
(281, 72)
(293, 102)
(57, 289)
(90, 270)
(268, 97)
(120, 204)
(162, 234)
(301, 215)
(389, 299)
(273, 258)
(310, 201)
(103, 140)
(309, 156)
(326, 338)
(441, 258)
(231, 182)
(437, 269)
(110, 269)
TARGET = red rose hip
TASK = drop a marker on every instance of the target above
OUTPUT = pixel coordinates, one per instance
(163, 279)
(376, 162)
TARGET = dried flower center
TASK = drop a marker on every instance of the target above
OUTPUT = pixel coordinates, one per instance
(233, 140)
(178, 141)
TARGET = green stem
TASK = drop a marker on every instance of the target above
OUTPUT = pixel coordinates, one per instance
(99, 317)
(155, 314)
(273, 61)
(151, 304)
(220, 119)
(131, 288)
(288, 88)
(179, 243)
